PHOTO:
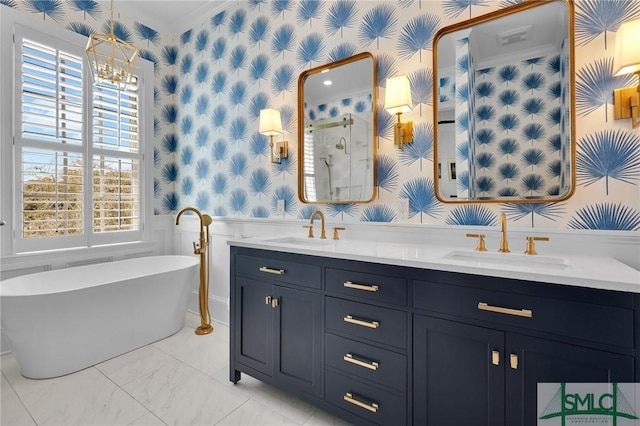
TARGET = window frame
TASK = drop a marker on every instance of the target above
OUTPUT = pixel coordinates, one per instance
(14, 26)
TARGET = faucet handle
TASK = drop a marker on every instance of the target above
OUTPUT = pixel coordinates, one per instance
(531, 247)
(335, 231)
(310, 230)
(481, 246)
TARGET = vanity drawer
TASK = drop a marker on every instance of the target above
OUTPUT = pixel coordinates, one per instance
(280, 271)
(371, 403)
(580, 320)
(369, 362)
(374, 287)
(374, 323)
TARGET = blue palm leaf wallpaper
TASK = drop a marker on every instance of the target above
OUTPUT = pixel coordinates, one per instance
(378, 213)
(81, 28)
(387, 177)
(259, 69)
(341, 14)
(608, 154)
(379, 22)
(596, 18)
(146, 33)
(606, 216)
(472, 214)
(422, 200)
(170, 55)
(550, 211)
(259, 31)
(51, 8)
(607, 157)
(417, 35)
(454, 8)
(422, 146)
(595, 84)
(218, 49)
(237, 22)
(311, 49)
(283, 40)
(308, 10)
(341, 51)
(87, 7)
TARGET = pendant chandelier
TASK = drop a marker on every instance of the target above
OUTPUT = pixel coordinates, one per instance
(112, 60)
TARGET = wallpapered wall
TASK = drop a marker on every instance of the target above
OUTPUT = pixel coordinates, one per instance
(212, 81)
(523, 132)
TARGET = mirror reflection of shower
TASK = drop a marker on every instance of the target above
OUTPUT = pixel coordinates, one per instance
(338, 159)
(342, 144)
(329, 164)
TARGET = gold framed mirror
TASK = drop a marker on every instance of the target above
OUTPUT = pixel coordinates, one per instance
(504, 106)
(336, 131)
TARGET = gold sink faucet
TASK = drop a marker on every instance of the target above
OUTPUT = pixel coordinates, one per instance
(319, 213)
(504, 244)
(200, 248)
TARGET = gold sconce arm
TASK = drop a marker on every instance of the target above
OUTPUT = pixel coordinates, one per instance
(626, 103)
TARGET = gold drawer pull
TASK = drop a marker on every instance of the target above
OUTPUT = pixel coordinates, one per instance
(373, 407)
(352, 320)
(370, 365)
(272, 271)
(349, 284)
(527, 313)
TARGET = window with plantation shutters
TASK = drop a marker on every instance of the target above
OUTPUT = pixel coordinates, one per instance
(50, 142)
(78, 152)
(116, 159)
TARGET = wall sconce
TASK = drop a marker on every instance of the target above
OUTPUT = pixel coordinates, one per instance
(271, 125)
(627, 61)
(397, 100)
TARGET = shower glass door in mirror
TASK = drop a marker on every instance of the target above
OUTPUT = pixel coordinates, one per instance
(503, 85)
(336, 150)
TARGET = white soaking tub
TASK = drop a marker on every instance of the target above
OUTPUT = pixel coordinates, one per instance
(61, 321)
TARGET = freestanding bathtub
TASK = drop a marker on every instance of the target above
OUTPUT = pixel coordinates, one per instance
(65, 320)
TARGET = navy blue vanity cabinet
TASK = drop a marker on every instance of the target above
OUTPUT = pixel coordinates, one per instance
(391, 345)
(277, 322)
(482, 345)
(366, 338)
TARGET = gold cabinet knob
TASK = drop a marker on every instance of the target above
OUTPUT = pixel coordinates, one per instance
(531, 247)
(481, 246)
(335, 231)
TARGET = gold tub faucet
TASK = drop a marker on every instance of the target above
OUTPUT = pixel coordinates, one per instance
(319, 213)
(200, 248)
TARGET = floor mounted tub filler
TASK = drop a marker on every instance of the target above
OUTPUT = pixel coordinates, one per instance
(61, 321)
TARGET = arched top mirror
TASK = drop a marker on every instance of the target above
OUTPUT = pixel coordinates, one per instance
(503, 85)
(336, 131)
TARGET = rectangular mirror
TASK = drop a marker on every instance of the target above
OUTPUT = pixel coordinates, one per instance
(503, 85)
(336, 132)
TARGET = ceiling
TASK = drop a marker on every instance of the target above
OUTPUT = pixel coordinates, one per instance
(171, 17)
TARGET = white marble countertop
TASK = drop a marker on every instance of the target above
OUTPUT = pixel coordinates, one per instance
(582, 271)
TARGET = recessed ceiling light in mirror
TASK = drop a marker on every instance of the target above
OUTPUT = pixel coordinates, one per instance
(327, 82)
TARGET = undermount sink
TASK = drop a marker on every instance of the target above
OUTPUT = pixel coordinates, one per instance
(300, 241)
(514, 259)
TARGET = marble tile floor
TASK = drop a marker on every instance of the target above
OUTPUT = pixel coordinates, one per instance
(180, 380)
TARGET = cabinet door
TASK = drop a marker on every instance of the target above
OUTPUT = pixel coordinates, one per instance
(298, 327)
(458, 374)
(543, 361)
(254, 325)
